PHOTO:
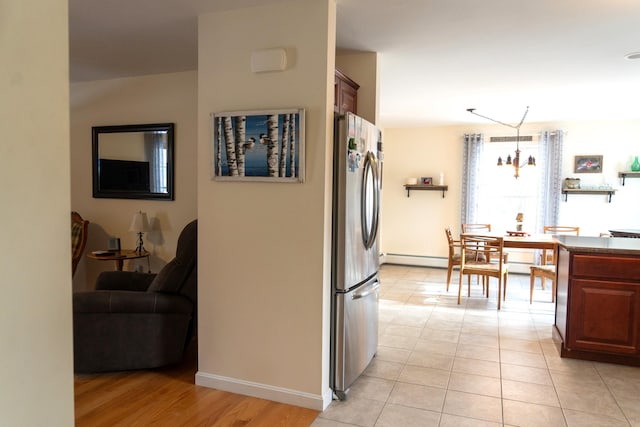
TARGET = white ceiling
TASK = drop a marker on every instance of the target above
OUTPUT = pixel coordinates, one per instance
(563, 58)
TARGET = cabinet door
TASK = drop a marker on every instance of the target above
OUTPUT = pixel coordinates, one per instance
(345, 92)
(604, 316)
(348, 98)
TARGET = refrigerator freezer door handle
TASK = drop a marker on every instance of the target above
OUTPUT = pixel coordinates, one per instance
(368, 292)
(370, 167)
(376, 199)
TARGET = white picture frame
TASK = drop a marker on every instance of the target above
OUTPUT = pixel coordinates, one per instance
(262, 145)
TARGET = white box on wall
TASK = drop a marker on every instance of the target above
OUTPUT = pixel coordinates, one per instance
(268, 60)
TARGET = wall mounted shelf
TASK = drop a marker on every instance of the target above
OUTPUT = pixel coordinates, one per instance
(421, 187)
(567, 191)
(628, 174)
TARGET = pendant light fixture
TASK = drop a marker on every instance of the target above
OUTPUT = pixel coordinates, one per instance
(515, 161)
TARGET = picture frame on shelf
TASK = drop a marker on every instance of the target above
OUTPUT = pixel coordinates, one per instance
(588, 164)
(426, 180)
(264, 145)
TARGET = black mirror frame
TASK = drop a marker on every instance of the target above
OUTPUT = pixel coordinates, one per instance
(109, 194)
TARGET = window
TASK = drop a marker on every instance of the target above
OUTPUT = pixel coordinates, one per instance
(491, 194)
(501, 196)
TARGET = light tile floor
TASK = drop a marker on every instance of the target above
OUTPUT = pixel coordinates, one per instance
(444, 364)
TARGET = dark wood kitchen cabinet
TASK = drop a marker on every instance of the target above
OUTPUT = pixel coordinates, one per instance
(598, 299)
(345, 94)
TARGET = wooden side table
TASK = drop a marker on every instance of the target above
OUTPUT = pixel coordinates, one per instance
(118, 256)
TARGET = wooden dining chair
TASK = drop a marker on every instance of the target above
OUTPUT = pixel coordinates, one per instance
(493, 265)
(479, 229)
(543, 272)
(455, 255)
(475, 228)
(557, 229)
(454, 258)
(547, 269)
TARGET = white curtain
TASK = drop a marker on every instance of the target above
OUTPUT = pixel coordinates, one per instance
(550, 188)
(155, 146)
(471, 155)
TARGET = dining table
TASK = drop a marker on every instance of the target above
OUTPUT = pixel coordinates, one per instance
(524, 241)
(541, 241)
(531, 241)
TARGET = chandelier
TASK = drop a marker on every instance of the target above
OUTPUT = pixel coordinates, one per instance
(515, 161)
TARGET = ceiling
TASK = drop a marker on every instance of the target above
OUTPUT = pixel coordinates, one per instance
(565, 59)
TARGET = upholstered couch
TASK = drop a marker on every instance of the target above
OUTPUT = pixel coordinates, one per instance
(138, 320)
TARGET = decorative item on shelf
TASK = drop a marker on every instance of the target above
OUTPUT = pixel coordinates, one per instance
(140, 225)
(571, 183)
(515, 162)
(635, 166)
(441, 178)
(426, 180)
(412, 181)
(605, 187)
(519, 221)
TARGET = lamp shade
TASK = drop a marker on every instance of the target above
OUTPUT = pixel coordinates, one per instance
(140, 223)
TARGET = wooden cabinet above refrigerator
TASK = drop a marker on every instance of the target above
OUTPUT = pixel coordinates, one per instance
(345, 94)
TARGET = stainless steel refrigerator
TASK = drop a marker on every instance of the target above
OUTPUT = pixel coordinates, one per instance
(357, 178)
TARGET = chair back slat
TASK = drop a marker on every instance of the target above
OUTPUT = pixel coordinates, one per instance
(481, 249)
(474, 228)
(562, 229)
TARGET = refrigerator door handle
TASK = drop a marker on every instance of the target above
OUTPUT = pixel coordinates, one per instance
(370, 290)
(377, 185)
(370, 168)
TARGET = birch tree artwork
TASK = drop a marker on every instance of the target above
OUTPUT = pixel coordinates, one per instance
(230, 147)
(272, 145)
(262, 145)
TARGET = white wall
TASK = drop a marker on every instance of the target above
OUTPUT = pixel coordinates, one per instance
(414, 226)
(162, 98)
(619, 142)
(36, 367)
(264, 248)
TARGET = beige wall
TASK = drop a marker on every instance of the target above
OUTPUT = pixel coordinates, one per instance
(414, 226)
(362, 68)
(149, 99)
(36, 368)
(264, 261)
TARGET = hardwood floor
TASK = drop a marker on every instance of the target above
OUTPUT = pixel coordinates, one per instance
(169, 397)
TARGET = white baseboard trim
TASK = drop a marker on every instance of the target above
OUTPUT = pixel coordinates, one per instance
(415, 260)
(439, 262)
(265, 391)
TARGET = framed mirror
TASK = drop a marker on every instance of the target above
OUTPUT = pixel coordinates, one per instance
(133, 161)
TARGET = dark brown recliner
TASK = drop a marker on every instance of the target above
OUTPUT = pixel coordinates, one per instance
(138, 320)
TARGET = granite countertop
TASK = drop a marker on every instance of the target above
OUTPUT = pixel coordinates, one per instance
(603, 245)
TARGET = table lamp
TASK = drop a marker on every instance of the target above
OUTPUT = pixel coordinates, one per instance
(519, 221)
(140, 225)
